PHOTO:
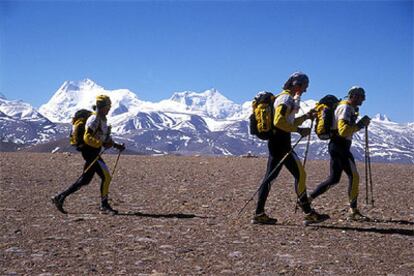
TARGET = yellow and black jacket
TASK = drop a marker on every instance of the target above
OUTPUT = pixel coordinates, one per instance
(284, 119)
(97, 131)
(345, 120)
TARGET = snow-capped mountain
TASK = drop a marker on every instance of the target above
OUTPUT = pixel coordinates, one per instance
(23, 125)
(209, 103)
(128, 113)
(72, 96)
(204, 123)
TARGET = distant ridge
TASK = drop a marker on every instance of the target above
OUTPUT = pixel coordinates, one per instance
(188, 123)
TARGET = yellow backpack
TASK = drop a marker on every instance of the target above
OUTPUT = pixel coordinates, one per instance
(261, 119)
(78, 128)
(325, 110)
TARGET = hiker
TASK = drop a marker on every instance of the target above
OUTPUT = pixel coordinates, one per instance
(97, 135)
(344, 126)
(286, 105)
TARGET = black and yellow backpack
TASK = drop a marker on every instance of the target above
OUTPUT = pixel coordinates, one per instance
(78, 127)
(261, 119)
(325, 110)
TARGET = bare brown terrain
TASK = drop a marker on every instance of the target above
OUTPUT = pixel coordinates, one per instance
(178, 216)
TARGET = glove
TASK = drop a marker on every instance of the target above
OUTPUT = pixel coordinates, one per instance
(304, 131)
(108, 144)
(311, 114)
(120, 147)
(364, 122)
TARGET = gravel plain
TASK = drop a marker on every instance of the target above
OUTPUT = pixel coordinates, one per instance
(178, 216)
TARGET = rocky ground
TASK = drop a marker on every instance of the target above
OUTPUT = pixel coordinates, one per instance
(178, 215)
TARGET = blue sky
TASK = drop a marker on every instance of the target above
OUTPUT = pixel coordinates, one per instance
(155, 48)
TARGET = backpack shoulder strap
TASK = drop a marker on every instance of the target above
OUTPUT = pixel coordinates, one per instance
(343, 102)
(284, 92)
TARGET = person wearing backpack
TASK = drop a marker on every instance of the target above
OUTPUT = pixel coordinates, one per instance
(96, 135)
(285, 107)
(344, 126)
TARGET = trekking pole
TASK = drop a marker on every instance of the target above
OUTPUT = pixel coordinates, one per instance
(368, 175)
(370, 181)
(307, 145)
(269, 175)
(116, 162)
(366, 166)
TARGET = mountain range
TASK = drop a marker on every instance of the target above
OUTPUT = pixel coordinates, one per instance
(188, 123)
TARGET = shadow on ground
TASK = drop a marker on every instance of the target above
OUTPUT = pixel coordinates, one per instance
(399, 231)
(172, 215)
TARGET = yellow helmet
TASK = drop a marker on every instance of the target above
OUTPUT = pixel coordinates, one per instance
(102, 101)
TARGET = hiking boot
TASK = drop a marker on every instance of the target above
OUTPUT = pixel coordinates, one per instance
(107, 209)
(314, 217)
(58, 202)
(355, 215)
(263, 219)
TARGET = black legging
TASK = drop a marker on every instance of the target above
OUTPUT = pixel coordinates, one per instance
(295, 167)
(89, 154)
(341, 160)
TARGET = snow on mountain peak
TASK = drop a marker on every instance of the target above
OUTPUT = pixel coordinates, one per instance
(85, 84)
(381, 117)
(88, 83)
(19, 109)
(194, 98)
(209, 103)
(212, 93)
(72, 96)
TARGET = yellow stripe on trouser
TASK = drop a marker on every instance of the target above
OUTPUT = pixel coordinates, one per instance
(353, 195)
(301, 189)
(107, 179)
